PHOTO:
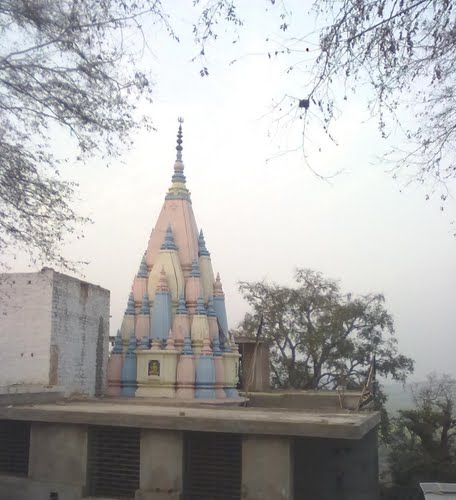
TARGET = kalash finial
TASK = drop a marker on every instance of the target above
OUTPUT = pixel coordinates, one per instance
(178, 191)
(179, 140)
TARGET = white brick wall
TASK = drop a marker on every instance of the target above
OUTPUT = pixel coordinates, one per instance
(80, 314)
(53, 330)
(25, 328)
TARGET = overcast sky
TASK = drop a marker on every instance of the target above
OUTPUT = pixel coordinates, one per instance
(262, 218)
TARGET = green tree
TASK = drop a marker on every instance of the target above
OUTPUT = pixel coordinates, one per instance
(423, 446)
(320, 337)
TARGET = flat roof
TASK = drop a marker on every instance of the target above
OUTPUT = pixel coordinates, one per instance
(435, 491)
(340, 424)
(43, 270)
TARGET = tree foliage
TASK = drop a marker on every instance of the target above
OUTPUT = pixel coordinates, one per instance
(423, 446)
(320, 337)
(63, 64)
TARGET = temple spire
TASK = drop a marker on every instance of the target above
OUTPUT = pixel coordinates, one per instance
(130, 305)
(178, 189)
(169, 244)
(174, 338)
(178, 176)
(145, 306)
(142, 272)
(179, 140)
(218, 288)
(195, 269)
(202, 250)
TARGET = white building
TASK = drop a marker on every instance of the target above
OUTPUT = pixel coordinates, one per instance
(54, 332)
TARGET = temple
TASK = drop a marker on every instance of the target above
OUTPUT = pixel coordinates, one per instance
(173, 354)
(174, 340)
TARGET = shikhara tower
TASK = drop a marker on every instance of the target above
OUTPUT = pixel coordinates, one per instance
(174, 340)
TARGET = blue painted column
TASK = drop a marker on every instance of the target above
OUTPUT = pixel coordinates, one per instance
(129, 369)
(160, 322)
(205, 373)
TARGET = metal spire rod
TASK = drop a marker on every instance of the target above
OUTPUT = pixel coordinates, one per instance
(179, 140)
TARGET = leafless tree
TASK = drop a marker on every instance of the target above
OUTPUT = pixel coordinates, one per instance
(404, 51)
(71, 64)
(63, 64)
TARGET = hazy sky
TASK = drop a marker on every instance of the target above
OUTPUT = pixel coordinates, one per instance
(262, 219)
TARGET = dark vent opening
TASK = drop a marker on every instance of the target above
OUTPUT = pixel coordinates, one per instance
(14, 447)
(113, 461)
(213, 463)
(330, 469)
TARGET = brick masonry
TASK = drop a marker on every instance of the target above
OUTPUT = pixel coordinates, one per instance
(25, 327)
(54, 331)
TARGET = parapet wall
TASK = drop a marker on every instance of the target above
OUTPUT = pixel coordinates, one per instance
(304, 400)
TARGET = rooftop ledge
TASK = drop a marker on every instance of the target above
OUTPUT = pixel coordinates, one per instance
(156, 414)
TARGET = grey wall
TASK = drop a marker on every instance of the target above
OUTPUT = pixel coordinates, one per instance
(57, 463)
(267, 467)
(161, 471)
(336, 469)
(80, 335)
(273, 467)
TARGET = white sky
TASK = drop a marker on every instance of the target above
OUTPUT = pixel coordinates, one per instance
(261, 220)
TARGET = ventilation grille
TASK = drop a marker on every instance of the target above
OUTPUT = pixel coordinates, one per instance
(14, 447)
(113, 461)
(212, 466)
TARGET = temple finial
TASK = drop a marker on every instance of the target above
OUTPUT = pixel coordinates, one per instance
(142, 272)
(145, 306)
(200, 309)
(181, 307)
(202, 250)
(210, 307)
(130, 304)
(178, 191)
(168, 244)
(179, 140)
(195, 269)
(178, 176)
(218, 288)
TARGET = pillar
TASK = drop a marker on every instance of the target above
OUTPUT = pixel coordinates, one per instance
(161, 472)
(267, 468)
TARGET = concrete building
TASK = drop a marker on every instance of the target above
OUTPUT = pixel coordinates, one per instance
(54, 333)
(131, 448)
